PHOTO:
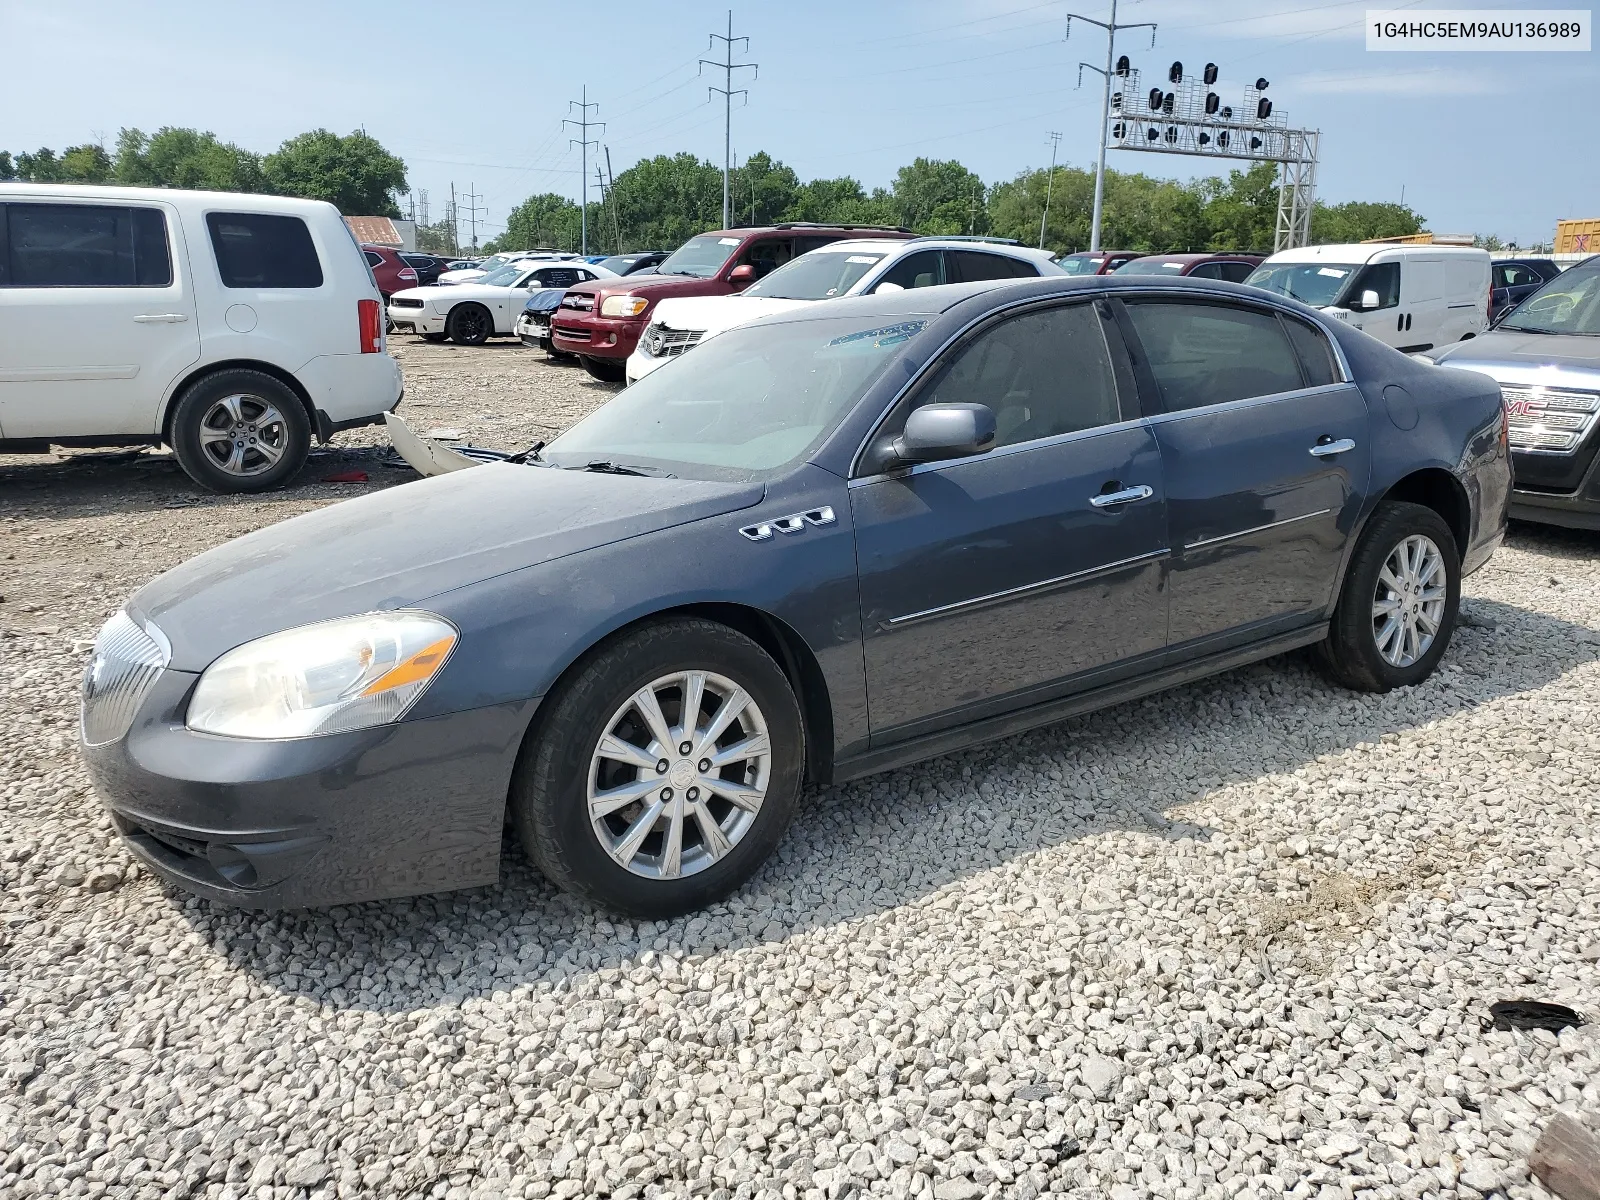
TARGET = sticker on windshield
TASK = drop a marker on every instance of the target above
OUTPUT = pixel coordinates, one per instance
(861, 258)
(727, 241)
(888, 335)
(1334, 272)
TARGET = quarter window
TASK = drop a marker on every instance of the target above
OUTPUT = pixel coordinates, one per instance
(972, 266)
(374, 259)
(1204, 354)
(1043, 373)
(85, 245)
(264, 250)
(1316, 356)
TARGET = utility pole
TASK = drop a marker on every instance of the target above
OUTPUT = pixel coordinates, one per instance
(728, 92)
(1111, 27)
(583, 143)
(455, 223)
(611, 190)
(473, 208)
(422, 207)
(1055, 140)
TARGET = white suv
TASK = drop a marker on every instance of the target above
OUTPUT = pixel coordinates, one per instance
(848, 268)
(231, 327)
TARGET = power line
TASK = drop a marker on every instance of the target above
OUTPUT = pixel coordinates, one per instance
(583, 143)
(728, 93)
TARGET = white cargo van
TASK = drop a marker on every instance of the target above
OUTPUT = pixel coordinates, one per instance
(1412, 297)
(233, 328)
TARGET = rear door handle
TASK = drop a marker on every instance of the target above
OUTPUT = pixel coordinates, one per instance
(1324, 449)
(161, 318)
(1126, 496)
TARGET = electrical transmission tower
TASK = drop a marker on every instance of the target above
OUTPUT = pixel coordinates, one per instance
(473, 211)
(728, 92)
(583, 142)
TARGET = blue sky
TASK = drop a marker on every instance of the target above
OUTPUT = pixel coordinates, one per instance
(843, 88)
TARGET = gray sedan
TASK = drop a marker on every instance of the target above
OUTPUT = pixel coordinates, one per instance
(828, 543)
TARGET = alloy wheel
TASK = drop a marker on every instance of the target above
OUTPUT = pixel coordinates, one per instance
(1408, 605)
(679, 775)
(243, 434)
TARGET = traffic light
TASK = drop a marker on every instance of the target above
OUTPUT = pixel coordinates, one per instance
(1210, 75)
(1155, 99)
(1175, 73)
(1263, 109)
(1123, 65)
(1213, 104)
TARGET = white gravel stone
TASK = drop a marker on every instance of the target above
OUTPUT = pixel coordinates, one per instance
(1234, 940)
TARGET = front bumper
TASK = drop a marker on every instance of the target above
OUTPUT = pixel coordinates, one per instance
(641, 364)
(1580, 510)
(393, 811)
(533, 332)
(415, 320)
(583, 333)
(1566, 487)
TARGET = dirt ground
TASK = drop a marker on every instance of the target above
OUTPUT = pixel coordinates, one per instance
(81, 529)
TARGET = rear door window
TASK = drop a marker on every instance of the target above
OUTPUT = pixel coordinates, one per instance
(85, 245)
(973, 266)
(264, 250)
(1203, 354)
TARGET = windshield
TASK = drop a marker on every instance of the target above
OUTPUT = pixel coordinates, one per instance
(702, 257)
(742, 405)
(1080, 264)
(488, 264)
(619, 262)
(1569, 303)
(815, 276)
(1152, 264)
(1314, 283)
(505, 276)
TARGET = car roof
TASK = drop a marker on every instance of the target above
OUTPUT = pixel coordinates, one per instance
(908, 246)
(211, 201)
(1362, 252)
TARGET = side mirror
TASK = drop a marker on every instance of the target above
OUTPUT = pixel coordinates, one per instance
(1368, 299)
(939, 431)
(742, 275)
(886, 286)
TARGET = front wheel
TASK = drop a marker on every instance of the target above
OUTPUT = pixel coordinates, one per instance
(1399, 603)
(666, 772)
(606, 370)
(469, 325)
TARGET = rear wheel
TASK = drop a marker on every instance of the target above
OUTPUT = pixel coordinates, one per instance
(240, 431)
(666, 772)
(469, 325)
(606, 370)
(1398, 607)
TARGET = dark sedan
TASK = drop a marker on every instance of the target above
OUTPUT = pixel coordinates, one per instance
(1513, 280)
(1545, 358)
(831, 542)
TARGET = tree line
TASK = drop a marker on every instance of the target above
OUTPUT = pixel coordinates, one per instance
(354, 172)
(660, 202)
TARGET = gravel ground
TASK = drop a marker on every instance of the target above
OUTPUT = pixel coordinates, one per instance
(1237, 939)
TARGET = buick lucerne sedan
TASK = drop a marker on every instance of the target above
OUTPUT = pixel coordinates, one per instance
(831, 542)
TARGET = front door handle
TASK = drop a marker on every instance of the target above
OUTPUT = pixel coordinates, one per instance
(161, 318)
(1126, 496)
(1324, 449)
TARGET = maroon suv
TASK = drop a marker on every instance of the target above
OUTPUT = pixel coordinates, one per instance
(601, 321)
(1096, 262)
(1235, 268)
(391, 272)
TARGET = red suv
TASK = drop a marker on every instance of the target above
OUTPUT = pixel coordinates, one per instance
(391, 272)
(1235, 268)
(1096, 262)
(601, 321)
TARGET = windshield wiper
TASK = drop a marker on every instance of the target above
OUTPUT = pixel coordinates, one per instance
(531, 454)
(601, 467)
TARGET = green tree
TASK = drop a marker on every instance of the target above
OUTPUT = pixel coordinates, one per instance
(42, 166)
(840, 201)
(1356, 221)
(354, 173)
(1241, 213)
(547, 219)
(939, 197)
(1016, 206)
(664, 201)
(8, 169)
(762, 191)
(173, 157)
(88, 163)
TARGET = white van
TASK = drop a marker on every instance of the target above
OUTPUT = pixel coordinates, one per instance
(1412, 297)
(231, 327)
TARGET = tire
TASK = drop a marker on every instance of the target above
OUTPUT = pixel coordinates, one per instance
(1372, 652)
(240, 431)
(469, 325)
(606, 370)
(560, 355)
(560, 769)
(433, 337)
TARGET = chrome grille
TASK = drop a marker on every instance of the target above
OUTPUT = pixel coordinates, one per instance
(126, 662)
(662, 341)
(578, 301)
(1548, 420)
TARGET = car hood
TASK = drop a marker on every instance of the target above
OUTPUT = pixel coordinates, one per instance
(1513, 357)
(545, 300)
(654, 286)
(400, 546)
(455, 293)
(464, 275)
(717, 313)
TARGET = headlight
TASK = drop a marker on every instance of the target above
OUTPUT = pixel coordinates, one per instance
(331, 677)
(623, 306)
